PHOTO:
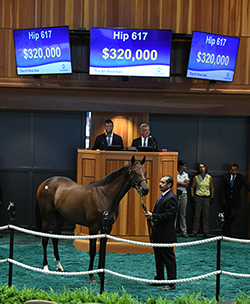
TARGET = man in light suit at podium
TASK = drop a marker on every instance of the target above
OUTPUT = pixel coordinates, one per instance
(108, 138)
(146, 140)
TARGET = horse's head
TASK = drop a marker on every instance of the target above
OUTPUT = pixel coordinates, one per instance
(138, 176)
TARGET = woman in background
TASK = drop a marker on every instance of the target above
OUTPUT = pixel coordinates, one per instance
(202, 192)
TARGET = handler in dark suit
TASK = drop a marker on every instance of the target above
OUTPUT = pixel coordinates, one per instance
(230, 196)
(163, 231)
(146, 140)
(108, 138)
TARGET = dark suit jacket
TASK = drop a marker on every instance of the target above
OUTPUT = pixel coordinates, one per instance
(101, 143)
(232, 196)
(137, 142)
(163, 230)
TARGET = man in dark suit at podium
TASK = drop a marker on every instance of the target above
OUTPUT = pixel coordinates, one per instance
(146, 140)
(108, 138)
(230, 196)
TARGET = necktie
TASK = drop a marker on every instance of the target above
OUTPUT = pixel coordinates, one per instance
(144, 144)
(109, 140)
(159, 199)
(232, 181)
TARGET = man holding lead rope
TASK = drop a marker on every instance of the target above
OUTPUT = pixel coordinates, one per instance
(163, 231)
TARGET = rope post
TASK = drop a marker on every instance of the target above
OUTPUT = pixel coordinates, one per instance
(103, 242)
(11, 209)
(220, 222)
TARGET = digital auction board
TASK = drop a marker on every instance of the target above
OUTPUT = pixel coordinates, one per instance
(130, 52)
(42, 51)
(212, 57)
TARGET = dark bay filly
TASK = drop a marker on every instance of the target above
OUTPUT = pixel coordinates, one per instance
(62, 198)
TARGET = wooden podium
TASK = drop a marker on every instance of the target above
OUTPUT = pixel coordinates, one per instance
(131, 223)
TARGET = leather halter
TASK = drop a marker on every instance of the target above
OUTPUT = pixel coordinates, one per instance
(137, 184)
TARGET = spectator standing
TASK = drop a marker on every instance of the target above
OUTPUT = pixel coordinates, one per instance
(182, 184)
(230, 196)
(202, 192)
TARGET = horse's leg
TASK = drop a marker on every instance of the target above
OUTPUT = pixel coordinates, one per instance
(104, 242)
(46, 211)
(92, 253)
(59, 224)
(45, 261)
(45, 240)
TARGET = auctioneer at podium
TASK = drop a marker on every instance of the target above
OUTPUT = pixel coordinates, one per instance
(108, 138)
(146, 140)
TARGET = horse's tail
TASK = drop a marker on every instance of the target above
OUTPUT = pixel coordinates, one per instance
(38, 217)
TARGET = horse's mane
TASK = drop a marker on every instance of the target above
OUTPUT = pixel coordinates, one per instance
(110, 177)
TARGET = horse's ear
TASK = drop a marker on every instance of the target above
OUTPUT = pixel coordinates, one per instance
(143, 160)
(132, 159)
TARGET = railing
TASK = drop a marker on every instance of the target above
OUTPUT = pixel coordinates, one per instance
(102, 270)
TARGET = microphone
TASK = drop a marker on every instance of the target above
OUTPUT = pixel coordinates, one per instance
(154, 143)
(109, 131)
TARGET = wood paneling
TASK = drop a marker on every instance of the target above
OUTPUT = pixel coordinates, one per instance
(16, 14)
(228, 17)
(7, 57)
(201, 100)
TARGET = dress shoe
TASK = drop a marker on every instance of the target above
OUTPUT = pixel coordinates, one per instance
(192, 234)
(184, 235)
(168, 287)
(155, 284)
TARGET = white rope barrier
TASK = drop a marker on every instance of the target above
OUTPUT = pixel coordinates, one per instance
(3, 261)
(125, 241)
(73, 237)
(56, 236)
(4, 227)
(163, 281)
(79, 273)
(233, 274)
(60, 273)
(27, 231)
(165, 245)
(236, 240)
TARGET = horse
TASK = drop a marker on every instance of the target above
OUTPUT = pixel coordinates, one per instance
(64, 199)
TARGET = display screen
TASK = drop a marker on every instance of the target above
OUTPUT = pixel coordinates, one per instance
(212, 57)
(130, 52)
(43, 51)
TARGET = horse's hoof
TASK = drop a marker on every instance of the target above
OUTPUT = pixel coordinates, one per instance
(92, 281)
(59, 266)
(105, 282)
(46, 268)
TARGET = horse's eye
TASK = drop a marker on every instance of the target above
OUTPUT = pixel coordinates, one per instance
(134, 172)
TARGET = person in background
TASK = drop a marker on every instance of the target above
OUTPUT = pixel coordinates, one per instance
(163, 231)
(108, 138)
(230, 196)
(202, 192)
(146, 140)
(182, 184)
